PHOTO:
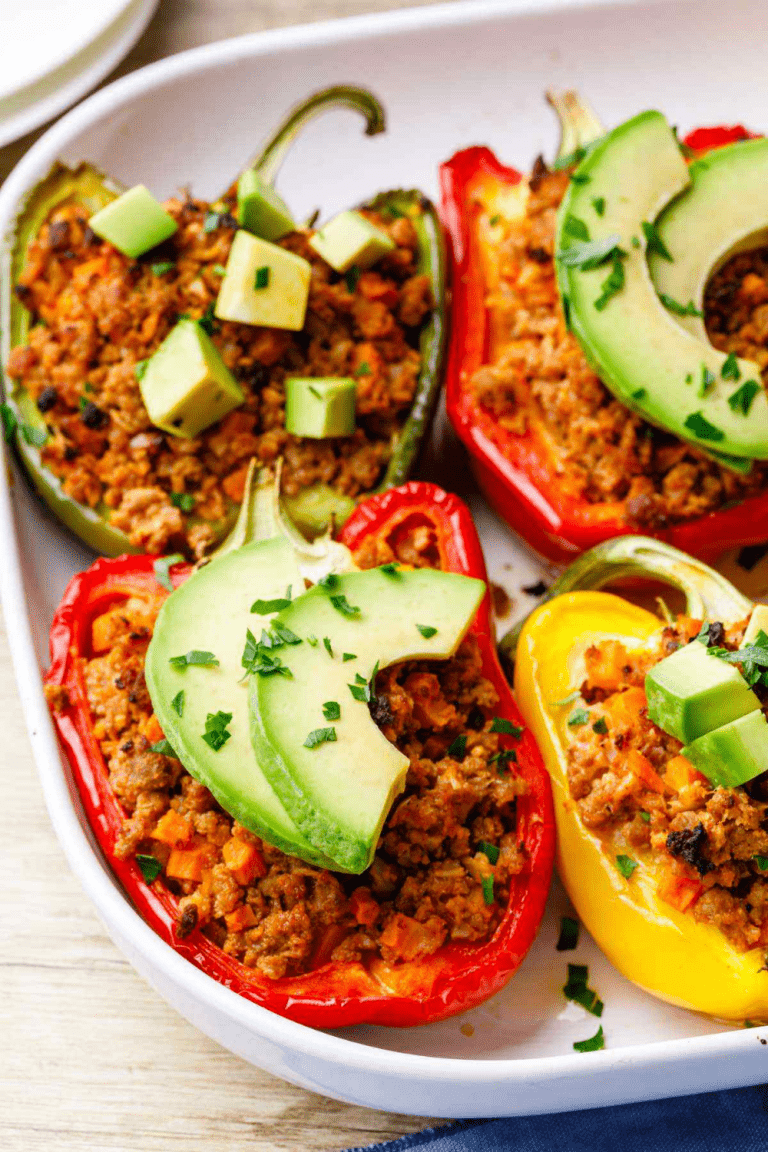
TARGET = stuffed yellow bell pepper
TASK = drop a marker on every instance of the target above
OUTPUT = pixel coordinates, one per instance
(664, 857)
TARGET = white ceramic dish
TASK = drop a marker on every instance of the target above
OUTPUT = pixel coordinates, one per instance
(450, 76)
(37, 101)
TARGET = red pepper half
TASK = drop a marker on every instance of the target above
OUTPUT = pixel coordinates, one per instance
(515, 472)
(455, 978)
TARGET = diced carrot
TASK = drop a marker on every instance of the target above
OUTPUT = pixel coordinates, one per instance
(407, 938)
(244, 860)
(188, 863)
(173, 829)
(105, 629)
(153, 731)
(641, 767)
(87, 271)
(605, 664)
(242, 918)
(680, 773)
(624, 707)
(680, 892)
(364, 908)
(688, 627)
(234, 484)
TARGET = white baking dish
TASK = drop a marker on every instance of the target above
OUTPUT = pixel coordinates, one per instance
(450, 76)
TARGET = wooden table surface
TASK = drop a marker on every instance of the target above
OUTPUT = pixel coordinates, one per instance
(91, 1058)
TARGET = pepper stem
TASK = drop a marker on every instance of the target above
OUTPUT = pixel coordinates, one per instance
(708, 595)
(579, 125)
(269, 159)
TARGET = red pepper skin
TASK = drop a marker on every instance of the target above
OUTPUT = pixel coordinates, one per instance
(454, 979)
(513, 471)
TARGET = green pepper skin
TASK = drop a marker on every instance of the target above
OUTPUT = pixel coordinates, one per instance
(88, 186)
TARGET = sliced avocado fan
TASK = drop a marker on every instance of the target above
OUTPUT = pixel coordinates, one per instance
(606, 229)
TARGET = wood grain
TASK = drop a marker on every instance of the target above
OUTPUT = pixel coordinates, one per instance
(91, 1059)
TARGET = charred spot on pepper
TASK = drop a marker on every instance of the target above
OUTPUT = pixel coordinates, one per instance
(688, 844)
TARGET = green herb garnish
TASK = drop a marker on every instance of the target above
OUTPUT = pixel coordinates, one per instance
(612, 284)
(390, 569)
(490, 850)
(347, 656)
(488, 896)
(679, 309)
(219, 269)
(575, 228)
(707, 381)
(363, 369)
(178, 703)
(578, 718)
(341, 604)
(499, 724)
(194, 657)
(162, 566)
(208, 321)
(594, 1044)
(150, 867)
(741, 399)
(266, 607)
(327, 645)
(457, 748)
(163, 267)
(320, 736)
(626, 865)
(163, 748)
(494, 220)
(10, 422)
(730, 368)
(579, 178)
(427, 631)
(701, 427)
(654, 242)
(216, 734)
(262, 278)
(183, 500)
(762, 862)
(569, 935)
(600, 726)
(576, 989)
(639, 394)
(330, 580)
(331, 710)
(646, 816)
(599, 205)
(257, 658)
(312, 641)
(351, 277)
(140, 368)
(590, 254)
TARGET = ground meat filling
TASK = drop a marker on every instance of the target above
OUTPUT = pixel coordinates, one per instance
(97, 315)
(274, 912)
(539, 376)
(634, 789)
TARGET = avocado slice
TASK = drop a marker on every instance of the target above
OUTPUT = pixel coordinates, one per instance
(350, 238)
(185, 384)
(134, 222)
(758, 622)
(317, 407)
(691, 692)
(211, 612)
(725, 210)
(264, 284)
(637, 347)
(260, 209)
(339, 790)
(733, 753)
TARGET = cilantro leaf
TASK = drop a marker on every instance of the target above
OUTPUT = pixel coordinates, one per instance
(575, 228)
(569, 934)
(576, 989)
(193, 657)
(673, 305)
(163, 748)
(262, 278)
(741, 400)
(162, 267)
(590, 254)
(458, 747)
(351, 277)
(730, 369)
(347, 656)
(707, 381)
(162, 566)
(599, 205)
(499, 724)
(578, 718)
(490, 850)
(149, 866)
(341, 604)
(427, 631)
(654, 242)
(600, 726)
(594, 1044)
(216, 734)
(626, 865)
(612, 284)
(331, 710)
(697, 423)
(390, 569)
(488, 896)
(183, 500)
(320, 736)
(178, 703)
(266, 607)
(327, 646)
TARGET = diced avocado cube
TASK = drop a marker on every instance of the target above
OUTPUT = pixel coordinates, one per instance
(690, 693)
(758, 622)
(734, 753)
(320, 406)
(260, 209)
(263, 284)
(186, 385)
(134, 223)
(350, 239)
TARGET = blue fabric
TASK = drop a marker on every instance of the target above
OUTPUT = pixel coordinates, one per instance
(734, 1121)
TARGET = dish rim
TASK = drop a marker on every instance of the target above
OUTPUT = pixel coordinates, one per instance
(82, 856)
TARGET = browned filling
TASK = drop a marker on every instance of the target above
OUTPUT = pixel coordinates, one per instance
(426, 885)
(99, 314)
(645, 800)
(600, 451)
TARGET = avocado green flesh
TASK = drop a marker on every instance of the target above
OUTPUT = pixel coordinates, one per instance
(690, 692)
(211, 613)
(339, 793)
(733, 753)
(637, 347)
(318, 407)
(724, 210)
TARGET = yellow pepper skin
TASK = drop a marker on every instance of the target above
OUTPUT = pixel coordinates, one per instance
(664, 951)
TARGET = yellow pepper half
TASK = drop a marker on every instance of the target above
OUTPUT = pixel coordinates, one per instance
(663, 950)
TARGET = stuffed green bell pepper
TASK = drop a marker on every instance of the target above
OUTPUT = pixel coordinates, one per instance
(152, 350)
(655, 736)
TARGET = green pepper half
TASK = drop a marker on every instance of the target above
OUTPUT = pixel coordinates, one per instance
(315, 507)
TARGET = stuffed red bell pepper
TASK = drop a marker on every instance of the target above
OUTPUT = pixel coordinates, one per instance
(564, 460)
(454, 895)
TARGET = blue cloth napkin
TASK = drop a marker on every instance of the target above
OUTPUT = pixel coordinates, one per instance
(733, 1121)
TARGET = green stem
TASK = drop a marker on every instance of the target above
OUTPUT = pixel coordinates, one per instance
(269, 159)
(579, 125)
(708, 595)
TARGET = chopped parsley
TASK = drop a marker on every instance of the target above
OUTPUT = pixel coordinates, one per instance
(266, 607)
(569, 159)
(362, 689)
(150, 867)
(741, 399)
(216, 734)
(178, 703)
(458, 747)
(576, 989)
(707, 381)
(193, 657)
(503, 758)
(331, 710)
(600, 726)
(262, 277)
(315, 392)
(10, 422)
(327, 645)
(320, 736)
(351, 277)
(490, 850)
(219, 269)
(639, 394)
(635, 242)
(575, 228)
(697, 423)
(590, 253)
(569, 935)
(162, 566)
(599, 205)
(341, 604)
(730, 368)
(347, 656)
(257, 658)
(594, 1044)
(752, 658)
(427, 631)
(762, 862)
(390, 569)
(499, 724)
(626, 865)
(646, 816)
(140, 368)
(363, 369)
(654, 242)
(208, 321)
(312, 641)
(330, 580)
(578, 718)
(488, 896)
(163, 267)
(494, 220)
(613, 283)
(163, 748)
(183, 501)
(679, 309)
(580, 178)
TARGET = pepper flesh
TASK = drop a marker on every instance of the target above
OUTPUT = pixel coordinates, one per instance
(652, 941)
(90, 187)
(517, 473)
(455, 978)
